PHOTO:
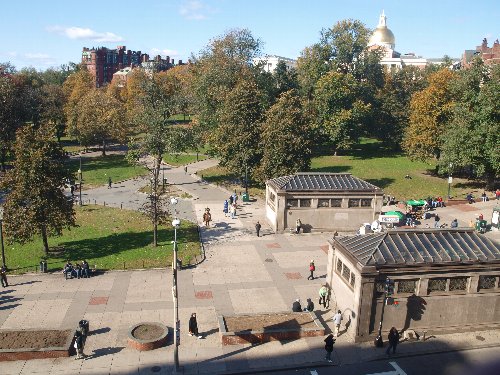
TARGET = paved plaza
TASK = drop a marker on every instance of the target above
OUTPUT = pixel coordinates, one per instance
(241, 274)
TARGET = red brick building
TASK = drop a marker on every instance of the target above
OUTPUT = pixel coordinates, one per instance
(490, 55)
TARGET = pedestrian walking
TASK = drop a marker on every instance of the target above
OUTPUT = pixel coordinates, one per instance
(193, 326)
(231, 200)
(257, 228)
(323, 293)
(298, 225)
(436, 221)
(207, 217)
(312, 268)
(393, 340)
(72, 189)
(233, 211)
(337, 318)
(235, 198)
(310, 305)
(79, 343)
(109, 182)
(329, 341)
(497, 194)
(225, 209)
(185, 169)
(3, 276)
(296, 307)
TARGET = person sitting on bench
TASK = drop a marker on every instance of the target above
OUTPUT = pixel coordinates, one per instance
(68, 270)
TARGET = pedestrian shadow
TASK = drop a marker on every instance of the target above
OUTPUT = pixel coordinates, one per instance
(105, 351)
(320, 314)
(26, 283)
(7, 291)
(211, 332)
(100, 330)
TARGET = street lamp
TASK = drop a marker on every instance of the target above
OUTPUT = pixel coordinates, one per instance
(175, 223)
(81, 179)
(1, 236)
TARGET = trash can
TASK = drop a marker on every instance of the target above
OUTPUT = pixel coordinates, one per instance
(43, 266)
(246, 197)
(84, 327)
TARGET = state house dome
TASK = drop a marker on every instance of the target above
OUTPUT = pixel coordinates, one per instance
(382, 36)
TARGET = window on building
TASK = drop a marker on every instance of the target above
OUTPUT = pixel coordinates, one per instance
(353, 203)
(292, 203)
(353, 279)
(323, 203)
(336, 203)
(346, 272)
(407, 286)
(487, 282)
(305, 203)
(437, 285)
(458, 283)
(339, 266)
(366, 202)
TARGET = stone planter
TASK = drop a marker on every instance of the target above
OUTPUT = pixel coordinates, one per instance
(147, 336)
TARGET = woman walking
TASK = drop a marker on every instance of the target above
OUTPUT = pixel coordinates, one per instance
(329, 341)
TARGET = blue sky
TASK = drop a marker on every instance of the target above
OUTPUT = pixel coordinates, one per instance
(43, 33)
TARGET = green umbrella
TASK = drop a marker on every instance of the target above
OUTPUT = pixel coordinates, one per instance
(396, 213)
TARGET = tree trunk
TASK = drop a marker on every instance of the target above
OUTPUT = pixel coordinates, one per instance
(44, 239)
(2, 160)
(103, 147)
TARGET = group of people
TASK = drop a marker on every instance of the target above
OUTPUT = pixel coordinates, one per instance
(324, 300)
(230, 205)
(78, 270)
(297, 307)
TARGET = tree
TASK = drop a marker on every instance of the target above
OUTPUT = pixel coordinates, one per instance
(340, 113)
(218, 69)
(76, 86)
(155, 105)
(430, 110)
(52, 108)
(100, 119)
(35, 203)
(285, 79)
(286, 138)
(237, 137)
(472, 136)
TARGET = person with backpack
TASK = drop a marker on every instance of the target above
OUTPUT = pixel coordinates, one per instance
(329, 341)
(257, 228)
(312, 268)
(79, 342)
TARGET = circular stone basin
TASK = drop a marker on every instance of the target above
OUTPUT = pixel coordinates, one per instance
(147, 336)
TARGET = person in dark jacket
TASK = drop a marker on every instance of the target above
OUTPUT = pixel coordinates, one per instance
(79, 343)
(393, 340)
(310, 305)
(296, 307)
(3, 276)
(257, 228)
(329, 341)
(193, 326)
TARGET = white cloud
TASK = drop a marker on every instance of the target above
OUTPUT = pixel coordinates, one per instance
(39, 59)
(163, 52)
(75, 32)
(194, 10)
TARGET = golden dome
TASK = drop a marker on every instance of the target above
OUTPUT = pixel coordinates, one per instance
(382, 35)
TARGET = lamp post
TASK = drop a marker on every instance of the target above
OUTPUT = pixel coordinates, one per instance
(81, 179)
(1, 237)
(175, 223)
(450, 180)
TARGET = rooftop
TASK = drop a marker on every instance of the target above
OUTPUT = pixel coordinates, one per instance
(321, 181)
(429, 246)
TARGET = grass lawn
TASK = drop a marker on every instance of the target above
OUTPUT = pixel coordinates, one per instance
(71, 145)
(182, 159)
(96, 170)
(371, 162)
(109, 238)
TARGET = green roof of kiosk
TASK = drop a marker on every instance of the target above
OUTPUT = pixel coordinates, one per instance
(414, 202)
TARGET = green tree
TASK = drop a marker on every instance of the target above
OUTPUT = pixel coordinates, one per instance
(236, 139)
(35, 203)
(155, 104)
(53, 108)
(76, 86)
(286, 138)
(285, 79)
(340, 113)
(472, 137)
(430, 111)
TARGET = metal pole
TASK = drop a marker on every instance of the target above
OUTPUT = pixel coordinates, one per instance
(1, 240)
(81, 179)
(176, 306)
(246, 179)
